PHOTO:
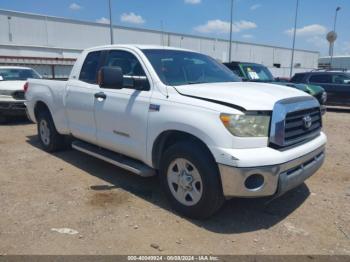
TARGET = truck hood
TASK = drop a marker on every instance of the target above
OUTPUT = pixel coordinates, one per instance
(8, 87)
(247, 95)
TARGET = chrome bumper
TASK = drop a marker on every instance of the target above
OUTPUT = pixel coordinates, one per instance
(277, 179)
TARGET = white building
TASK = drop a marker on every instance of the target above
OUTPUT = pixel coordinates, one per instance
(51, 44)
(338, 62)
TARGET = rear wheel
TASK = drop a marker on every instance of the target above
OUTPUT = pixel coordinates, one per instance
(190, 179)
(49, 138)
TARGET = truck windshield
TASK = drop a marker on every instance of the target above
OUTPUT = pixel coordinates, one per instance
(13, 74)
(258, 73)
(183, 67)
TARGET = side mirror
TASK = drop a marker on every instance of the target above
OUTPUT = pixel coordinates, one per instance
(110, 77)
(136, 82)
(1, 78)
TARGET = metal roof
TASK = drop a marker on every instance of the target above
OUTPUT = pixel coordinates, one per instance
(62, 19)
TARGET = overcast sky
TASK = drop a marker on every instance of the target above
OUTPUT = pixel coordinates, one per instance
(259, 21)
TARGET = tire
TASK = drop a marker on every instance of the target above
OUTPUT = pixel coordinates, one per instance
(194, 191)
(49, 138)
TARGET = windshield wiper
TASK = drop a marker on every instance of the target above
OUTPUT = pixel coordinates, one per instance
(193, 83)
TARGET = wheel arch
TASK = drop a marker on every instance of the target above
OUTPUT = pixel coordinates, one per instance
(168, 138)
(41, 106)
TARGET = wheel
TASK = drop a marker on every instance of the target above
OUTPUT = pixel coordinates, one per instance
(191, 181)
(49, 138)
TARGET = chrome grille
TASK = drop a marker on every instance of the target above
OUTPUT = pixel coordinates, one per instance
(296, 128)
(294, 120)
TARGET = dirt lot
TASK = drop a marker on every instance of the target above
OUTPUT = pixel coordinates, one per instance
(116, 212)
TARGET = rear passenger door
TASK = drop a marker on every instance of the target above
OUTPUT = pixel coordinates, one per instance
(121, 118)
(80, 100)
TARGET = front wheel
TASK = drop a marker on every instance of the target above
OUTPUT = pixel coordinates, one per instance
(191, 181)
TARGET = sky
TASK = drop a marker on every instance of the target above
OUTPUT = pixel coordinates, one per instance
(268, 22)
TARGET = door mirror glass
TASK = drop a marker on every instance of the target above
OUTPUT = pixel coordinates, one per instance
(110, 77)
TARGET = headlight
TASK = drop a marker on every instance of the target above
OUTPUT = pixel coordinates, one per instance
(324, 97)
(247, 125)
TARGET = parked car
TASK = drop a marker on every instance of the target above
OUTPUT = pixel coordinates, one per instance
(12, 81)
(254, 72)
(184, 116)
(336, 83)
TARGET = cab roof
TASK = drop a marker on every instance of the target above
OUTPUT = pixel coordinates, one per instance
(140, 47)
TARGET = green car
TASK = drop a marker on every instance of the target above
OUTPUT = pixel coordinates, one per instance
(253, 72)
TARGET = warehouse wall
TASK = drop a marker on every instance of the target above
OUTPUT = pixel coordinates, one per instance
(339, 62)
(35, 35)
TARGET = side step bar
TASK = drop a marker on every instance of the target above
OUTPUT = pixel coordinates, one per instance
(118, 160)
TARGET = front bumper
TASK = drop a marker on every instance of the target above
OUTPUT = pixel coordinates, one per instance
(277, 179)
(12, 108)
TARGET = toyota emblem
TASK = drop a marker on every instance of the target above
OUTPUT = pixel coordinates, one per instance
(307, 121)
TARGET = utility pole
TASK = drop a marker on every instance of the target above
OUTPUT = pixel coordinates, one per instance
(335, 33)
(294, 36)
(230, 45)
(110, 22)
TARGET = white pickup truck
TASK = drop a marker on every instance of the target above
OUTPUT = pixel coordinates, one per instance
(182, 115)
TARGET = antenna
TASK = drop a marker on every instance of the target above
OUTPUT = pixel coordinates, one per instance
(162, 30)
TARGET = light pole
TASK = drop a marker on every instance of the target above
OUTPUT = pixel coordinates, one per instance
(230, 45)
(110, 22)
(334, 30)
(294, 36)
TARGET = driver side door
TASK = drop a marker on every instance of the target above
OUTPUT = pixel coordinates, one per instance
(122, 116)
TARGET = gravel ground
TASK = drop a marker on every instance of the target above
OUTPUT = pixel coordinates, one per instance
(109, 211)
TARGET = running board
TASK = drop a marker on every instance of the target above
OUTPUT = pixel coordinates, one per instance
(118, 160)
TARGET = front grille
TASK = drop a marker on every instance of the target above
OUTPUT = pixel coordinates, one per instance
(18, 95)
(5, 105)
(12, 106)
(296, 128)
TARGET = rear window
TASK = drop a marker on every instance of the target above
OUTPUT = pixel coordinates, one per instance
(90, 68)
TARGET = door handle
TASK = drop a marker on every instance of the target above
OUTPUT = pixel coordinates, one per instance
(100, 95)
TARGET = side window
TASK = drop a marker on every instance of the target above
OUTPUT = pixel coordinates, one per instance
(341, 79)
(297, 78)
(324, 79)
(90, 68)
(129, 65)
